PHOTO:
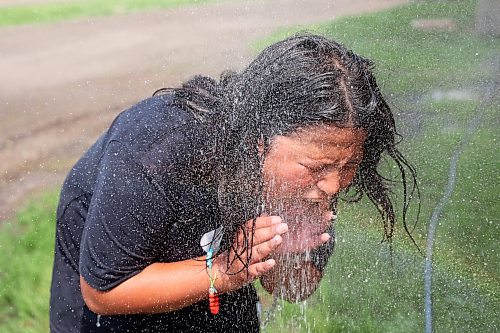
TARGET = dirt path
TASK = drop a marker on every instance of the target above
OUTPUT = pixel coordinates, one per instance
(62, 84)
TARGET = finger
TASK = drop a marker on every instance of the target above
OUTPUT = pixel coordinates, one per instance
(306, 244)
(264, 234)
(263, 250)
(327, 216)
(265, 221)
(260, 222)
(264, 241)
(261, 268)
(318, 241)
(325, 238)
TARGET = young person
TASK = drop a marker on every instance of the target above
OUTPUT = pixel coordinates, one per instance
(249, 168)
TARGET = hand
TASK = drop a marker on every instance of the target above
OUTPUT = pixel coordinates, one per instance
(267, 236)
(306, 234)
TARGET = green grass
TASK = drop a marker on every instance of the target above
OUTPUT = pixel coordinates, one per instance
(26, 247)
(361, 291)
(53, 12)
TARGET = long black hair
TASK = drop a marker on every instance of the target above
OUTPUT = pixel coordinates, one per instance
(301, 81)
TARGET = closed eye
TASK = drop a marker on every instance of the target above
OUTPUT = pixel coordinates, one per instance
(319, 168)
(328, 167)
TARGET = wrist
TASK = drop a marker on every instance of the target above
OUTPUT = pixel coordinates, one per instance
(223, 281)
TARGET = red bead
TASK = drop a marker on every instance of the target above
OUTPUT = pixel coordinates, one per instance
(213, 301)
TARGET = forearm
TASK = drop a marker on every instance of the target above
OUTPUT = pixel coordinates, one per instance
(160, 287)
(163, 287)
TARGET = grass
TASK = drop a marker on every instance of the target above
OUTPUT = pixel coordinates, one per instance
(26, 247)
(54, 12)
(361, 291)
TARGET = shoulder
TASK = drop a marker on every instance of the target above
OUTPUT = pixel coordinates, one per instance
(151, 121)
(161, 136)
(148, 119)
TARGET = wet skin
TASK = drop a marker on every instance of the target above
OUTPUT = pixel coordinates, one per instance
(302, 172)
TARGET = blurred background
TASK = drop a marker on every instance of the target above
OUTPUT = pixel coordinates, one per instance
(67, 68)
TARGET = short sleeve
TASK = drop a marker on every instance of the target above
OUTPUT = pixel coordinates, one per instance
(126, 222)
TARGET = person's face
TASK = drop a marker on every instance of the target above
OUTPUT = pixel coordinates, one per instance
(303, 171)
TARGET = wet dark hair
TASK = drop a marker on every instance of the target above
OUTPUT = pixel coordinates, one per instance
(304, 80)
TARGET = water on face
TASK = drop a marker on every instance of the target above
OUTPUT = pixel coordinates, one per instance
(305, 222)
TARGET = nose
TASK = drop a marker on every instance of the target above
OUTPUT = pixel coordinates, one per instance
(329, 183)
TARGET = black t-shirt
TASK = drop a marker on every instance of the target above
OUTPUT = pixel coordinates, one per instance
(134, 199)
